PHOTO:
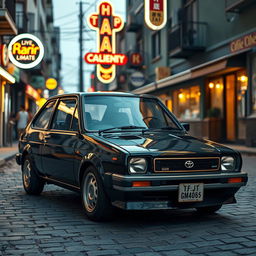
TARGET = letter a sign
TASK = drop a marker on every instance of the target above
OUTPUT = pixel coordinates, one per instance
(155, 13)
(106, 25)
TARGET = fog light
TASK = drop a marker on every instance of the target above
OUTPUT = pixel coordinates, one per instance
(141, 184)
(235, 180)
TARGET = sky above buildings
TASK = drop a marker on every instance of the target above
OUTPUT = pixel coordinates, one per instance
(66, 17)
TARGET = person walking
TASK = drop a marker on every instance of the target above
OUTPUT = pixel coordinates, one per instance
(22, 120)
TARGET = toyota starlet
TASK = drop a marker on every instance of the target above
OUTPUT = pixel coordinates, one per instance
(120, 150)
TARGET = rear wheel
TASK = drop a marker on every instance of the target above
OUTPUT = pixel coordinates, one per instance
(32, 183)
(209, 209)
(95, 201)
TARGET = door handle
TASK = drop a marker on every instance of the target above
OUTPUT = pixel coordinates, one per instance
(47, 136)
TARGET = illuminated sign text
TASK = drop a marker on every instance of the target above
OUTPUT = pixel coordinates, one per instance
(25, 51)
(106, 25)
(155, 13)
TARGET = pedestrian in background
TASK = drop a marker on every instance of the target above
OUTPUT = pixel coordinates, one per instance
(22, 119)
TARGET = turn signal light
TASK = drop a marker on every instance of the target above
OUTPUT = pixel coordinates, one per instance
(235, 180)
(141, 184)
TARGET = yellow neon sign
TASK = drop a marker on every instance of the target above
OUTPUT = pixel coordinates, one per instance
(106, 25)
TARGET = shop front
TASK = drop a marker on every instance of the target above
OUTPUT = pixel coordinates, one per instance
(6, 81)
(218, 99)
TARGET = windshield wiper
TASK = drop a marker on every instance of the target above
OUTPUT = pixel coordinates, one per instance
(128, 127)
(170, 128)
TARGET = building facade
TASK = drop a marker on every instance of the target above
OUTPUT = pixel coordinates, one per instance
(202, 65)
(7, 27)
(28, 85)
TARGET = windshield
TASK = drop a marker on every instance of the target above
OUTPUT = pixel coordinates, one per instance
(104, 112)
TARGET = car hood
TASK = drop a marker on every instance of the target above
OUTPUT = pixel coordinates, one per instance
(163, 143)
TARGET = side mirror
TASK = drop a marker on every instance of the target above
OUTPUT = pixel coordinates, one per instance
(186, 126)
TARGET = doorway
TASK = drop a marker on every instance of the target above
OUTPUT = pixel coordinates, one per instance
(230, 107)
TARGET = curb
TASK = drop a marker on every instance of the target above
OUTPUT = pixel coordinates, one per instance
(6, 159)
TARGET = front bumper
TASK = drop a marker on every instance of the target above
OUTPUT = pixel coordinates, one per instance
(163, 190)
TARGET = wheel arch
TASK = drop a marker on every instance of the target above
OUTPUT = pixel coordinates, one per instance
(26, 151)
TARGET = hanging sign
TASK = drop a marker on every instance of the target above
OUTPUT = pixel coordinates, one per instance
(51, 84)
(137, 79)
(25, 51)
(106, 25)
(155, 13)
(4, 55)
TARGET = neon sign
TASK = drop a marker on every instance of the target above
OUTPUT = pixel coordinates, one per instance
(106, 25)
(25, 51)
(155, 13)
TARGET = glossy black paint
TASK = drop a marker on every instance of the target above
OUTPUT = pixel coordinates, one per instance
(61, 157)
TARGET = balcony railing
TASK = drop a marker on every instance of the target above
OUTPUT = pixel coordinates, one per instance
(237, 5)
(10, 6)
(22, 21)
(7, 17)
(186, 39)
(134, 22)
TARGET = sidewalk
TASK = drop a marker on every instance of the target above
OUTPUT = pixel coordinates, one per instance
(7, 153)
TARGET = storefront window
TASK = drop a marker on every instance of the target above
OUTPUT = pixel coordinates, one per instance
(186, 103)
(254, 83)
(216, 93)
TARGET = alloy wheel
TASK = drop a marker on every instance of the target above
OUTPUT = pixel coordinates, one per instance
(27, 173)
(90, 192)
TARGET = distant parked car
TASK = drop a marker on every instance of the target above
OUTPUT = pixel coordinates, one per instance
(126, 151)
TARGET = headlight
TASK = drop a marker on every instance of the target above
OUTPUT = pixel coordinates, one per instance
(228, 163)
(137, 165)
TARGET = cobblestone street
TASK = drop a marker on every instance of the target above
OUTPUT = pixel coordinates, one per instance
(54, 224)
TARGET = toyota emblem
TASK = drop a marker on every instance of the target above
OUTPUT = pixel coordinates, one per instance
(189, 164)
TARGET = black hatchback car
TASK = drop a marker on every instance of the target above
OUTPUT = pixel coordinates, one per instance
(126, 151)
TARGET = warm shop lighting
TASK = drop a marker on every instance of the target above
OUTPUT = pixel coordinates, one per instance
(7, 76)
(218, 86)
(243, 78)
(181, 96)
(235, 180)
(211, 85)
(61, 91)
(141, 184)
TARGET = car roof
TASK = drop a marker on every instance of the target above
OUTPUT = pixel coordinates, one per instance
(123, 94)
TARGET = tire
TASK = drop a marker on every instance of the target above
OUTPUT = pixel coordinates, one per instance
(209, 209)
(95, 201)
(32, 183)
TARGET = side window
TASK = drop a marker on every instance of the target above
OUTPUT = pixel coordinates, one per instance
(64, 113)
(43, 118)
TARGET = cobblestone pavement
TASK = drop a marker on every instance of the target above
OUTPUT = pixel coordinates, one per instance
(54, 224)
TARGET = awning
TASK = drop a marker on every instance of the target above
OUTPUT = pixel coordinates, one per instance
(195, 72)
(6, 76)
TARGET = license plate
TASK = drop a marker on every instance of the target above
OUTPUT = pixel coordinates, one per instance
(193, 192)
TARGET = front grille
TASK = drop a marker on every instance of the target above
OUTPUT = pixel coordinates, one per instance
(186, 164)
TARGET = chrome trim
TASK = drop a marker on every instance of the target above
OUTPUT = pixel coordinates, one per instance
(176, 187)
(187, 158)
(57, 181)
(178, 177)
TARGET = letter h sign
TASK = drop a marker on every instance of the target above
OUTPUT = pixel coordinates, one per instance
(106, 24)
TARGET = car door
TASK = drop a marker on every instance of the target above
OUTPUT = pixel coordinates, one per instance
(37, 131)
(60, 140)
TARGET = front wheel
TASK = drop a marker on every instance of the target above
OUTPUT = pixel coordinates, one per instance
(32, 183)
(209, 209)
(95, 201)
